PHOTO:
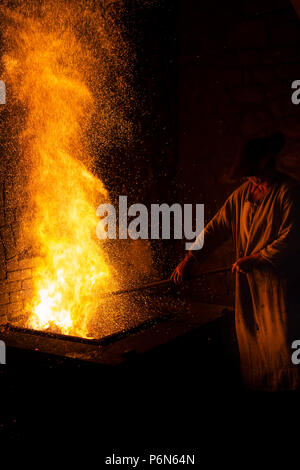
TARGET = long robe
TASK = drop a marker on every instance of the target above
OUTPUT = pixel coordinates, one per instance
(267, 310)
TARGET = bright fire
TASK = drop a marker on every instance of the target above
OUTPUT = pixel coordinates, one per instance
(47, 69)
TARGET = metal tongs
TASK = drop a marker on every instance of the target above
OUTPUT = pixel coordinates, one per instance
(164, 282)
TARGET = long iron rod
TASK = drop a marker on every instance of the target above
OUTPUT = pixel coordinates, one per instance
(164, 282)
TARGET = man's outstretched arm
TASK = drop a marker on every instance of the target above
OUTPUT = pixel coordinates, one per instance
(216, 231)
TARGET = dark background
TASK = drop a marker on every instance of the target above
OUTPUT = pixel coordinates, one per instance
(209, 76)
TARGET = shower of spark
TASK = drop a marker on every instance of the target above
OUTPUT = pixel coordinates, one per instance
(49, 70)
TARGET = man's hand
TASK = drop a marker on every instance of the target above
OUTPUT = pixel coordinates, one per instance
(182, 272)
(247, 263)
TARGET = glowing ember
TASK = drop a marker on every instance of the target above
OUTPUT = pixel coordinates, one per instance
(47, 69)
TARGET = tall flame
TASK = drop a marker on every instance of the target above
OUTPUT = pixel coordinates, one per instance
(47, 72)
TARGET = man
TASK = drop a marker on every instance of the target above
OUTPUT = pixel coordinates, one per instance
(261, 217)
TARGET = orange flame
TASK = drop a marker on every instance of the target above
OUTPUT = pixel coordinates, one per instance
(47, 70)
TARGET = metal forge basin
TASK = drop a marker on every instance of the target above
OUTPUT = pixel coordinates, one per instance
(119, 347)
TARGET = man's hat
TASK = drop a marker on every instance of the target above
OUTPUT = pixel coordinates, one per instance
(256, 155)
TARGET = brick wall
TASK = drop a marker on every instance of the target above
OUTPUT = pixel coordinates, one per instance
(15, 268)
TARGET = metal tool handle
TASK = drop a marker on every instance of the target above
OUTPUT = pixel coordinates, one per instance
(164, 282)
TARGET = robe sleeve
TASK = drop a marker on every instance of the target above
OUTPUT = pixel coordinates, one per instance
(216, 231)
(286, 244)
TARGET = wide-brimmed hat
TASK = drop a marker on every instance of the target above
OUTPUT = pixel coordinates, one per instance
(256, 155)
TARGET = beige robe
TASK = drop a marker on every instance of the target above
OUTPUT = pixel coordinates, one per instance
(267, 310)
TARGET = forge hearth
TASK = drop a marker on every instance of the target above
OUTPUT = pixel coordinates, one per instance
(119, 347)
